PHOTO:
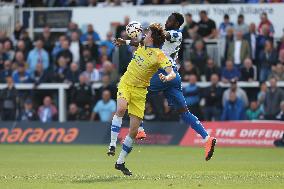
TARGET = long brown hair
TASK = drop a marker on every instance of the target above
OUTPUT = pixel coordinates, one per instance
(158, 34)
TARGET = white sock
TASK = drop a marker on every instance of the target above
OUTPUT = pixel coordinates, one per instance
(141, 128)
(115, 128)
(126, 149)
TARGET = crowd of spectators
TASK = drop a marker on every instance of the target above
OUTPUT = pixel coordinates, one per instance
(82, 58)
(108, 3)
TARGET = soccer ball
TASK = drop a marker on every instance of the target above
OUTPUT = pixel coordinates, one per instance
(133, 29)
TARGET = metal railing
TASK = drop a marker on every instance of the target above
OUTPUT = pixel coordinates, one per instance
(62, 87)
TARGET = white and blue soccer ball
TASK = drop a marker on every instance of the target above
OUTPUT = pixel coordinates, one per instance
(134, 29)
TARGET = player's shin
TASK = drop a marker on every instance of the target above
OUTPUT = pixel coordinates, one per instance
(115, 128)
(126, 149)
(195, 124)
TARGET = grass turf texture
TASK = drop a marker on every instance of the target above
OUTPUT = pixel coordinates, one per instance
(87, 166)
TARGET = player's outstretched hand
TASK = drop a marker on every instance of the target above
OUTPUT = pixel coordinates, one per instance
(162, 77)
(118, 42)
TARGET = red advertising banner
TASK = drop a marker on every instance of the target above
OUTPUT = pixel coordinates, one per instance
(255, 134)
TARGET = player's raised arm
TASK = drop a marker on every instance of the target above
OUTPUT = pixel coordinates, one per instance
(171, 75)
(119, 41)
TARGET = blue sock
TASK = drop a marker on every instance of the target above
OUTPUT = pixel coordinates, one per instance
(195, 124)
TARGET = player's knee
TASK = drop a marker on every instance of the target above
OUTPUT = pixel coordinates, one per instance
(120, 111)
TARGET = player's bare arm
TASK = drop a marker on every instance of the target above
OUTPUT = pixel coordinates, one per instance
(171, 75)
(119, 42)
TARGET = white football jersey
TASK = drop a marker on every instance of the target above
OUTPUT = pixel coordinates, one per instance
(171, 47)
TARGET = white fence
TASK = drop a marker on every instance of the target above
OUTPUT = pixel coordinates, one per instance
(62, 87)
(7, 18)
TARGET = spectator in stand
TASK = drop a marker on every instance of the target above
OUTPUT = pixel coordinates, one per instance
(73, 73)
(92, 74)
(262, 95)
(248, 71)
(103, 53)
(60, 73)
(241, 94)
(226, 43)
(108, 43)
(211, 68)
(85, 58)
(281, 44)
(267, 60)
(73, 27)
(265, 21)
(75, 47)
(90, 31)
(73, 112)
(192, 96)
(17, 32)
(3, 57)
(280, 115)
(199, 56)
(21, 75)
(3, 36)
(109, 69)
(41, 76)
(28, 113)
(26, 38)
(92, 3)
(206, 26)
(82, 94)
(261, 39)
(281, 57)
(47, 41)
(149, 112)
(190, 26)
(58, 46)
(239, 50)
(230, 72)
(37, 56)
(22, 48)
(47, 112)
(19, 58)
(121, 28)
(107, 85)
(105, 107)
(65, 52)
(225, 25)
(8, 50)
(241, 25)
(273, 98)
(188, 69)
(278, 72)
(213, 99)
(93, 47)
(7, 71)
(253, 112)
(234, 108)
(9, 99)
(251, 38)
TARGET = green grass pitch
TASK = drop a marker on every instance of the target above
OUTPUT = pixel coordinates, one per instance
(87, 166)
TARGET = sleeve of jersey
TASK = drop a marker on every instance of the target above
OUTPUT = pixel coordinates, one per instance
(175, 36)
(163, 61)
